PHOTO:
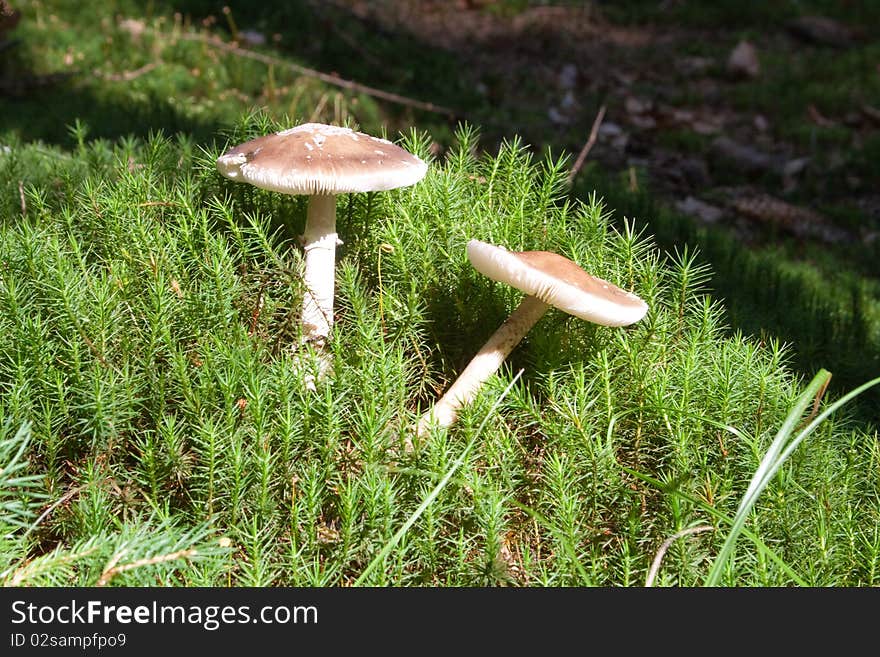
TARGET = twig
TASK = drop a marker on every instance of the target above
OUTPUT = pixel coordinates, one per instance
(128, 76)
(594, 133)
(655, 565)
(64, 498)
(316, 113)
(233, 28)
(22, 198)
(112, 570)
(335, 80)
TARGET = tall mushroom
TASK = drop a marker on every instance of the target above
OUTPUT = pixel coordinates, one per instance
(548, 279)
(321, 161)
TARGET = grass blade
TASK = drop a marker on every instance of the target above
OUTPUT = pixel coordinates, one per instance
(778, 452)
(386, 550)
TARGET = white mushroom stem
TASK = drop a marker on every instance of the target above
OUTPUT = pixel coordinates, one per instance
(484, 364)
(319, 277)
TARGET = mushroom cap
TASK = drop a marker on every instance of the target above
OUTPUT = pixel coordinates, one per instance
(558, 281)
(314, 158)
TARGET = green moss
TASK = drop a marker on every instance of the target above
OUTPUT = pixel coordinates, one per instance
(148, 313)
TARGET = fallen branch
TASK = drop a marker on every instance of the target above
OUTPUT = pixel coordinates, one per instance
(128, 76)
(335, 80)
(594, 133)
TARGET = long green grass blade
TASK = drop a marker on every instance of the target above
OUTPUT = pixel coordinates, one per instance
(781, 448)
(762, 547)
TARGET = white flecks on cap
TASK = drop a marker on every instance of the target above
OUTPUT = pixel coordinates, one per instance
(558, 281)
(314, 158)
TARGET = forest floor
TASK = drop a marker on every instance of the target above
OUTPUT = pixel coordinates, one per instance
(739, 122)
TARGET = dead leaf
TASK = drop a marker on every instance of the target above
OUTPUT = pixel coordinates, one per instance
(747, 158)
(705, 212)
(327, 533)
(635, 105)
(175, 287)
(133, 26)
(818, 118)
(743, 61)
(613, 134)
(795, 166)
(643, 121)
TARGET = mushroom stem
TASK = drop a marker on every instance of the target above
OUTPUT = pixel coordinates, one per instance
(484, 364)
(319, 245)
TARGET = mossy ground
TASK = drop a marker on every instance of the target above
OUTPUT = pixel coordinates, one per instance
(148, 312)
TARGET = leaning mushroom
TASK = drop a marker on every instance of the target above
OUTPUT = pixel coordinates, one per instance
(548, 279)
(321, 161)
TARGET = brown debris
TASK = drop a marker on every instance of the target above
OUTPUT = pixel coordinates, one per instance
(798, 221)
(823, 31)
(698, 209)
(9, 17)
(872, 113)
(745, 157)
(330, 78)
(818, 118)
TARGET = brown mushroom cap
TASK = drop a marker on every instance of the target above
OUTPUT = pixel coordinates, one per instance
(558, 281)
(314, 158)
